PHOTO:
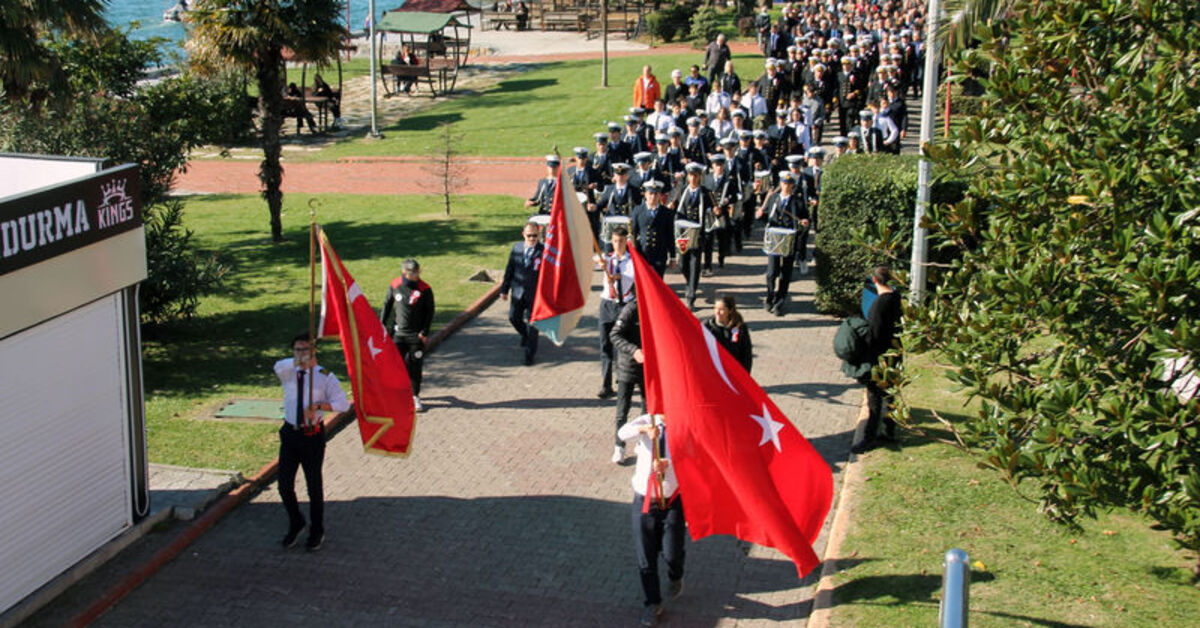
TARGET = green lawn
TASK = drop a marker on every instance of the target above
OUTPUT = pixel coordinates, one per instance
(227, 350)
(555, 104)
(924, 498)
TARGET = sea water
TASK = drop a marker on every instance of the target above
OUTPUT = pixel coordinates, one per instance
(149, 15)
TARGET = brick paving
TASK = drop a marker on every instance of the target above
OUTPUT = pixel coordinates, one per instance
(508, 512)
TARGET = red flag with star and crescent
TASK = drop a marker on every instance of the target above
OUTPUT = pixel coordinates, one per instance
(383, 399)
(743, 468)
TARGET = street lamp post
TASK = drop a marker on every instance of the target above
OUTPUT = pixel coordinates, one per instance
(925, 168)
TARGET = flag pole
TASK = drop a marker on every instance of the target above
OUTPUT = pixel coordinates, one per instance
(312, 301)
(658, 475)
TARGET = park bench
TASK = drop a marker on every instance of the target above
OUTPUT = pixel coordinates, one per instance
(501, 20)
(620, 23)
(566, 20)
(436, 73)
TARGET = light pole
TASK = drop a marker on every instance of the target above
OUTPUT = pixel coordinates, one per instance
(604, 43)
(374, 78)
(925, 168)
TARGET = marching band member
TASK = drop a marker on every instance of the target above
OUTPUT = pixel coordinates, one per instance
(784, 210)
(695, 203)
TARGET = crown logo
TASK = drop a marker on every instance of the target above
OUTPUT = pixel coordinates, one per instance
(113, 189)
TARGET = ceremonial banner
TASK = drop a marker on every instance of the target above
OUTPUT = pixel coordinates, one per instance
(743, 468)
(382, 392)
(566, 275)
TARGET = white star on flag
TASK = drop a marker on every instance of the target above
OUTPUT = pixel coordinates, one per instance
(353, 292)
(371, 347)
(770, 428)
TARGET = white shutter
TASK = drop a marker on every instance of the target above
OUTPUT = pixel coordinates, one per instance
(64, 466)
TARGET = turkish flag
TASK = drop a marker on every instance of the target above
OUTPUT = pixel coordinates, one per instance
(382, 392)
(743, 468)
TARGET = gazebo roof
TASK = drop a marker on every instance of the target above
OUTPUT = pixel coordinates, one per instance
(440, 6)
(417, 22)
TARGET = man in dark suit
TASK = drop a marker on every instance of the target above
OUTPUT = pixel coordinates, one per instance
(521, 277)
(654, 228)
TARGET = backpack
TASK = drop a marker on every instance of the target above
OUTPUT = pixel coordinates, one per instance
(852, 344)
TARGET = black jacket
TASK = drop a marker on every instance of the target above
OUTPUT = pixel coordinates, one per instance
(883, 318)
(610, 204)
(736, 341)
(521, 276)
(626, 337)
(655, 238)
(407, 310)
(543, 196)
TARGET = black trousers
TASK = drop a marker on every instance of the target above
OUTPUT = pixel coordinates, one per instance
(624, 401)
(847, 119)
(878, 401)
(779, 277)
(519, 311)
(607, 318)
(689, 265)
(718, 239)
(299, 450)
(412, 350)
(660, 531)
(801, 252)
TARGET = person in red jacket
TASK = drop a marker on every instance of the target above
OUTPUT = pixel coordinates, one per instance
(646, 89)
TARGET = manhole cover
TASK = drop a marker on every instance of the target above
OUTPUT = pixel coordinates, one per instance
(264, 410)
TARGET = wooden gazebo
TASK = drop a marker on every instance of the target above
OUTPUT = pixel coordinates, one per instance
(441, 42)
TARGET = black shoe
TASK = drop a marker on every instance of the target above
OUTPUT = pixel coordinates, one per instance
(674, 589)
(605, 393)
(528, 359)
(292, 536)
(691, 304)
(315, 541)
(650, 615)
(769, 307)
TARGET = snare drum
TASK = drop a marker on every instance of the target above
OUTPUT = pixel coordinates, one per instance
(686, 233)
(779, 241)
(609, 223)
(583, 198)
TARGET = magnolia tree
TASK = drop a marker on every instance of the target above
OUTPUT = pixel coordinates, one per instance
(1070, 309)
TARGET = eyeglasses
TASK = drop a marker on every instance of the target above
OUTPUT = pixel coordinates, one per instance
(530, 235)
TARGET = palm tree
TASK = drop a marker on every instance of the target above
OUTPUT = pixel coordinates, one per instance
(962, 16)
(24, 61)
(252, 34)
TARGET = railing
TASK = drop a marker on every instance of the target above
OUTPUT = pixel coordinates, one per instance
(956, 581)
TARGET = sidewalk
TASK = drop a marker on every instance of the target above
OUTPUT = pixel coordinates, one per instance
(508, 512)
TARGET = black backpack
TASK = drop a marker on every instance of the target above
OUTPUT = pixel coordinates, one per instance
(852, 343)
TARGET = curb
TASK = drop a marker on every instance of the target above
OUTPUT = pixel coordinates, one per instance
(233, 498)
(823, 598)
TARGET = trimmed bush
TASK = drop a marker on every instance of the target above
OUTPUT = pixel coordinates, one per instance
(963, 100)
(706, 25)
(861, 193)
(670, 22)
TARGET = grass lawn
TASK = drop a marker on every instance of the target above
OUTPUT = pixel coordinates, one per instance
(924, 498)
(557, 103)
(226, 351)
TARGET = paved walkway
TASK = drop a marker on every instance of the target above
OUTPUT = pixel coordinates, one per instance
(508, 512)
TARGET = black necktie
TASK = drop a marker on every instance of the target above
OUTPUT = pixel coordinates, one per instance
(300, 399)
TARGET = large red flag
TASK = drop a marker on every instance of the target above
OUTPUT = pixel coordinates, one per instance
(743, 468)
(566, 274)
(382, 392)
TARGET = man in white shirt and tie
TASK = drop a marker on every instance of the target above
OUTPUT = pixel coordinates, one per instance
(658, 523)
(618, 290)
(302, 436)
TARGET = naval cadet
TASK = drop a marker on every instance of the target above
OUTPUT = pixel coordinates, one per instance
(584, 182)
(784, 210)
(695, 204)
(617, 199)
(727, 195)
(601, 161)
(543, 196)
(653, 228)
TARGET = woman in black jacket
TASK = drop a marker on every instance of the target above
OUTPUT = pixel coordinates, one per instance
(727, 325)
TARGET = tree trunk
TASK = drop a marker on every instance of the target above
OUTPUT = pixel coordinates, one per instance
(270, 102)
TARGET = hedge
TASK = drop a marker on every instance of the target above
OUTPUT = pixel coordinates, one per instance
(858, 191)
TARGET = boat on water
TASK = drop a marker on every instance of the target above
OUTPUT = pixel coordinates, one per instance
(176, 12)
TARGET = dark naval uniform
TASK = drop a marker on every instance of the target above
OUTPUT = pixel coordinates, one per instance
(543, 196)
(696, 205)
(782, 213)
(521, 277)
(407, 314)
(727, 194)
(584, 181)
(653, 232)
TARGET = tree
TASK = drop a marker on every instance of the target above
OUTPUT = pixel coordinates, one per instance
(24, 27)
(448, 174)
(1076, 272)
(98, 110)
(252, 34)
